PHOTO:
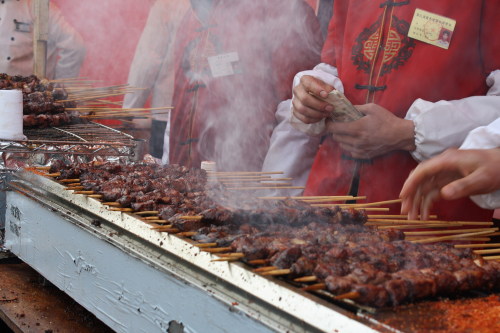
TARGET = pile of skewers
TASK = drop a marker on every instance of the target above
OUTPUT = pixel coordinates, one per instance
(321, 243)
(94, 102)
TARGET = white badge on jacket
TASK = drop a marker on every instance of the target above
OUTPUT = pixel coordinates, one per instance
(223, 64)
(22, 27)
(432, 28)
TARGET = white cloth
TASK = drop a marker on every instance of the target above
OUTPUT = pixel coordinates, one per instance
(65, 47)
(485, 137)
(445, 124)
(152, 68)
(293, 144)
(290, 151)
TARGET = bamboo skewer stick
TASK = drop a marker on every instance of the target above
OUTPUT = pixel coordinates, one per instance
(379, 203)
(161, 227)
(187, 233)
(96, 196)
(376, 216)
(306, 279)
(226, 259)
(111, 204)
(108, 109)
(124, 210)
(192, 217)
(234, 255)
(277, 272)
(334, 199)
(157, 221)
(69, 180)
(148, 212)
(43, 168)
(492, 258)
(74, 188)
(454, 237)
(258, 262)
(317, 286)
(413, 226)
(472, 246)
(350, 295)
(490, 251)
(217, 249)
(468, 239)
(55, 174)
(349, 197)
(150, 218)
(219, 173)
(396, 221)
(264, 188)
(440, 232)
(205, 245)
(265, 269)
(372, 209)
(84, 192)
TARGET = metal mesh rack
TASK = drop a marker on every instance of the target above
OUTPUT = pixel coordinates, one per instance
(76, 139)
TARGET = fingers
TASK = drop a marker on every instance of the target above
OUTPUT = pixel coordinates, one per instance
(463, 187)
(315, 86)
(307, 105)
(305, 113)
(426, 203)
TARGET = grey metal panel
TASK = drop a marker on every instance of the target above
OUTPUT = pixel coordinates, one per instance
(121, 290)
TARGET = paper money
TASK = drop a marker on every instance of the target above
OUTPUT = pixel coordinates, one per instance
(343, 109)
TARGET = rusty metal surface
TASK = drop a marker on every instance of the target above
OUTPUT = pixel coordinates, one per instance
(29, 305)
(467, 314)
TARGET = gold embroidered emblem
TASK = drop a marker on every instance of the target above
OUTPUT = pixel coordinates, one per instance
(391, 48)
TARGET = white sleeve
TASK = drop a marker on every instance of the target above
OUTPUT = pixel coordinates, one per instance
(485, 137)
(327, 74)
(149, 55)
(290, 151)
(69, 44)
(445, 124)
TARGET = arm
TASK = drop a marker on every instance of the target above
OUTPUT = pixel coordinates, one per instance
(472, 170)
(149, 55)
(290, 151)
(445, 124)
(68, 42)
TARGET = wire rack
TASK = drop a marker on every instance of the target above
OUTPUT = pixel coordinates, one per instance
(76, 139)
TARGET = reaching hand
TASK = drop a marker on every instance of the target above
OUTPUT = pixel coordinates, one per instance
(378, 133)
(451, 175)
(307, 106)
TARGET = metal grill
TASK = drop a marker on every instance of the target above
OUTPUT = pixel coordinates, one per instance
(76, 139)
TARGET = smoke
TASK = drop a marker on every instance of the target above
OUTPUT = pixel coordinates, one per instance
(110, 30)
(272, 41)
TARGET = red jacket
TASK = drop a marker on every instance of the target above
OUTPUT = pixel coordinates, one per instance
(378, 63)
(229, 119)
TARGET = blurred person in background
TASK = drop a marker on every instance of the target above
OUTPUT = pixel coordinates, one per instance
(152, 70)
(418, 97)
(235, 63)
(65, 47)
(473, 170)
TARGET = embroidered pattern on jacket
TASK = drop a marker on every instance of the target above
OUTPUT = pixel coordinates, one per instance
(398, 46)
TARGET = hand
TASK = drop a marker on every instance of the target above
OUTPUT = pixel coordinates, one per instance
(377, 133)
(307, 105)
(451, 175)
